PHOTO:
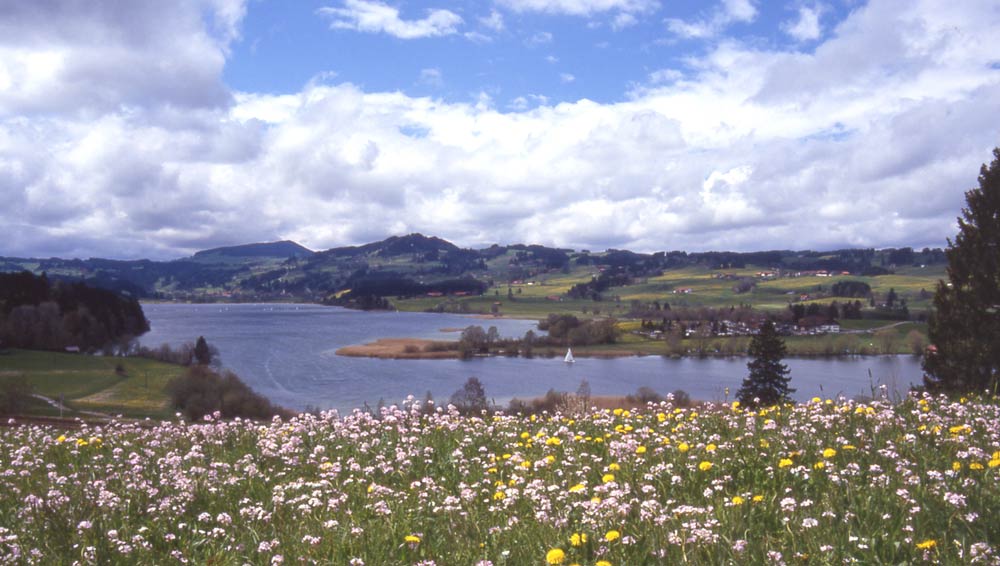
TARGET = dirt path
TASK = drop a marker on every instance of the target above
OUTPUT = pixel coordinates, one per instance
(62, 407)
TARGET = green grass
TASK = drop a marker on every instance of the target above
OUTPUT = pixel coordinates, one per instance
(92, 383)
(707, 291)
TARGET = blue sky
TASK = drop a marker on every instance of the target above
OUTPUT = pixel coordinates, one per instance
(507, 52)
(154, 129)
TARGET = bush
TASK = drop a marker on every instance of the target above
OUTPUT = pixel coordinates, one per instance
(201, 391)
(15, 394)
(644, 395)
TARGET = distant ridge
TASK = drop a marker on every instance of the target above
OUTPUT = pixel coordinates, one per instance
(396, 245)
(282, 249)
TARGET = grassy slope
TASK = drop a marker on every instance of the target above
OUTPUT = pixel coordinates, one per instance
(91, 383)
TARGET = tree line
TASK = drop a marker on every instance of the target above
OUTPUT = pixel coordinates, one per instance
(36, 313)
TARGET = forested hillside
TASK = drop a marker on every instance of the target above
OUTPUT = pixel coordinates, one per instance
(37, 313)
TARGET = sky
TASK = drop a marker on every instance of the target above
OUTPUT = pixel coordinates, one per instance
(150, 129)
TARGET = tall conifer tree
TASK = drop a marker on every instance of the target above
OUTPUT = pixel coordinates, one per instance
(965, 326)
(768, 381)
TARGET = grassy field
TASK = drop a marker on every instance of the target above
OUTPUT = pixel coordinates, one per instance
(825, 482)
(707, 290)
(93, 383)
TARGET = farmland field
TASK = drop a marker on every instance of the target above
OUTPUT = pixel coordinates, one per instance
(823, 482)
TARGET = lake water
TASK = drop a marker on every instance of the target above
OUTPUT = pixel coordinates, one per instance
(286, 352)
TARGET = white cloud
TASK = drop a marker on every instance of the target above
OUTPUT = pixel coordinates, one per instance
(623, 20)
(726, 14)
(494, 21)
(431, 77)
(807, 26)
(539, 38)
(580, 7)
(870, 139)
(372, 16)
(566, 78)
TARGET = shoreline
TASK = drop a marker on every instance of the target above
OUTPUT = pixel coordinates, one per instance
(424, 349)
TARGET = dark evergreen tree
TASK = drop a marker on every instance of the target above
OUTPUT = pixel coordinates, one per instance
(471, 398)
(202, 353)
(965, 326)
(768, 381)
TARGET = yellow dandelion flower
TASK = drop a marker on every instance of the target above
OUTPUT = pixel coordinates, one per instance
(975, 466)
(956, 465)
(784, 463)
(683, 447)
(614, 467)
(711, 448)
(737, 500)
(849, 447)
(618, 412)
(758, 498)
(61, 439)
(994, 463)
(602, 563)
(829, 453)
(81, 442)
(411, 539)
(578, 539)
(577, 487)
(555, 556)
(595, 500)
(927, 544)
(612, 536)
(499, 495)
(735, 405)
(705, 466)
(819, 465)
(607, 478)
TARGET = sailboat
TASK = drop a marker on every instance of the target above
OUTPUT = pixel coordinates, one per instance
(569, 356)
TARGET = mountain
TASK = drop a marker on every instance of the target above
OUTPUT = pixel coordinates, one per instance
(419, 265)
(282, 250)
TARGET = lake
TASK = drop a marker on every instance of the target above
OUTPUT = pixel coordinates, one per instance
(286, 352)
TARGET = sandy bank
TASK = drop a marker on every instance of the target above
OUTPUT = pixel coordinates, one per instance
(399, 349)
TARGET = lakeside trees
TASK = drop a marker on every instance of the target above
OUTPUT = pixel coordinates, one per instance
(965, 327)
(768, 381)
(36, 313)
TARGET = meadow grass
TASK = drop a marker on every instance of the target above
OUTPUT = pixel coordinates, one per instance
(94, 383)
(825, 482)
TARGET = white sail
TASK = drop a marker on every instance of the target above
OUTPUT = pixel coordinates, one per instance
(569, 356)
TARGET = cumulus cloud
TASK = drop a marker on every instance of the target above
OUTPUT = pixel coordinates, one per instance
(870, 139)
(807, 27)
(66, 56)
(494, 21)
(727, 13)
(372, 16)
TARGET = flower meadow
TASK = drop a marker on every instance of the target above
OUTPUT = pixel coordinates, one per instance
(824, 482)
